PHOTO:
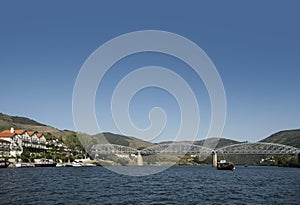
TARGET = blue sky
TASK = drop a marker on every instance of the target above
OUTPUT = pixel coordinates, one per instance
(254, 45)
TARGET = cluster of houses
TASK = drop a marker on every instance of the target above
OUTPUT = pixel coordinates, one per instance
(12, 142)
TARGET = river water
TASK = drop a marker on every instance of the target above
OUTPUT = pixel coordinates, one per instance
(177, 185)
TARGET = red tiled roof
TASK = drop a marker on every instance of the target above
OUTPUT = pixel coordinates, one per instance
(30, 133)
(5, 131)
(17, 132)
(39, 135)
(7, 134)
(20, 132)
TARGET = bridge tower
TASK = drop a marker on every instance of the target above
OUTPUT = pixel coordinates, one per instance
(140, 159)
(214, 159)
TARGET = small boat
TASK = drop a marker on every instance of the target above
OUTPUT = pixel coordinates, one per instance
(23, 165)
(223, 165)
(45, 163)
(59, 165)
(89, 165)
(4, 163)
(76, 164)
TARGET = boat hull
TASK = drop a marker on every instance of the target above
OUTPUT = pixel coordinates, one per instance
(225, 167)
(45, 165)
(4, 164)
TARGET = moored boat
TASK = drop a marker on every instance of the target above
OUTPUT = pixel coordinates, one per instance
(23, 165)
(223, 165)
(89, 165)
(77, 164)
(4, 163)
(74, 164)
(45, 163)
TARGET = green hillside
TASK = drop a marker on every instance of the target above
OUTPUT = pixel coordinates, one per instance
(14, 120)
(71, 138)
(220, 142)
(126, 141)
(67, 136)
(287, 137)
(6, 122)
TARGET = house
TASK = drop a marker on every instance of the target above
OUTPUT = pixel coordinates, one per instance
(24, 135)
(34, 141)
(41, 141)
(15, 141)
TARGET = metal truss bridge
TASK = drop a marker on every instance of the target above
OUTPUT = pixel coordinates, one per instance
(181, 148)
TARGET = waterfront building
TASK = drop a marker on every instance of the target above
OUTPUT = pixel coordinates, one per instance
(15, 148)
(13, 141)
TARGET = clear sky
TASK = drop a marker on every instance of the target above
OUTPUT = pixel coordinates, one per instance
(255, 45)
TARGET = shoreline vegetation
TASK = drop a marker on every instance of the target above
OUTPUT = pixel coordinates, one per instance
(164, 160)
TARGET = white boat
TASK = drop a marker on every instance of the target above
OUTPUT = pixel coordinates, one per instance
(76, 164)
(89, 165)
(23, 165)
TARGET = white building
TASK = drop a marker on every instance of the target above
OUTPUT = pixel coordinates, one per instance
(18, 139)
(15, 148)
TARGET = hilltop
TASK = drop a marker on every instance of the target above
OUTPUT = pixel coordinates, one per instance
(221, 142)
(286, 137)
(6, 122)
(126, 141)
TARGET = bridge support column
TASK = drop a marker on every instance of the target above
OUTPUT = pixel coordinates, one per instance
(299, 160)
(140, 159)
(214, 159)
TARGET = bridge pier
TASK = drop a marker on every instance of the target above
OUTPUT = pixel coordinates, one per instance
(140, 159)
(214, 159)
(299, 159)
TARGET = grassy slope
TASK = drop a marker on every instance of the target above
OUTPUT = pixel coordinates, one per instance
(287, 137)
(69, 137)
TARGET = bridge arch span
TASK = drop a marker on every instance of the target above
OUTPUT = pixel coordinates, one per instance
(177, 148)
(258, 148)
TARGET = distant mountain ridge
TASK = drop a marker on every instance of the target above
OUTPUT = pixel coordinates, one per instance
(126, 140)
(287, 137)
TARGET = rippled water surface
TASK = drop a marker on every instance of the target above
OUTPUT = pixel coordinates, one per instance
(177, 185)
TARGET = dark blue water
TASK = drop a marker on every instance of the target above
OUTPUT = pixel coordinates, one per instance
(177, 185)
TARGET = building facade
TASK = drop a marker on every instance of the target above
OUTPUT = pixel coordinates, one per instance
(12, 142)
